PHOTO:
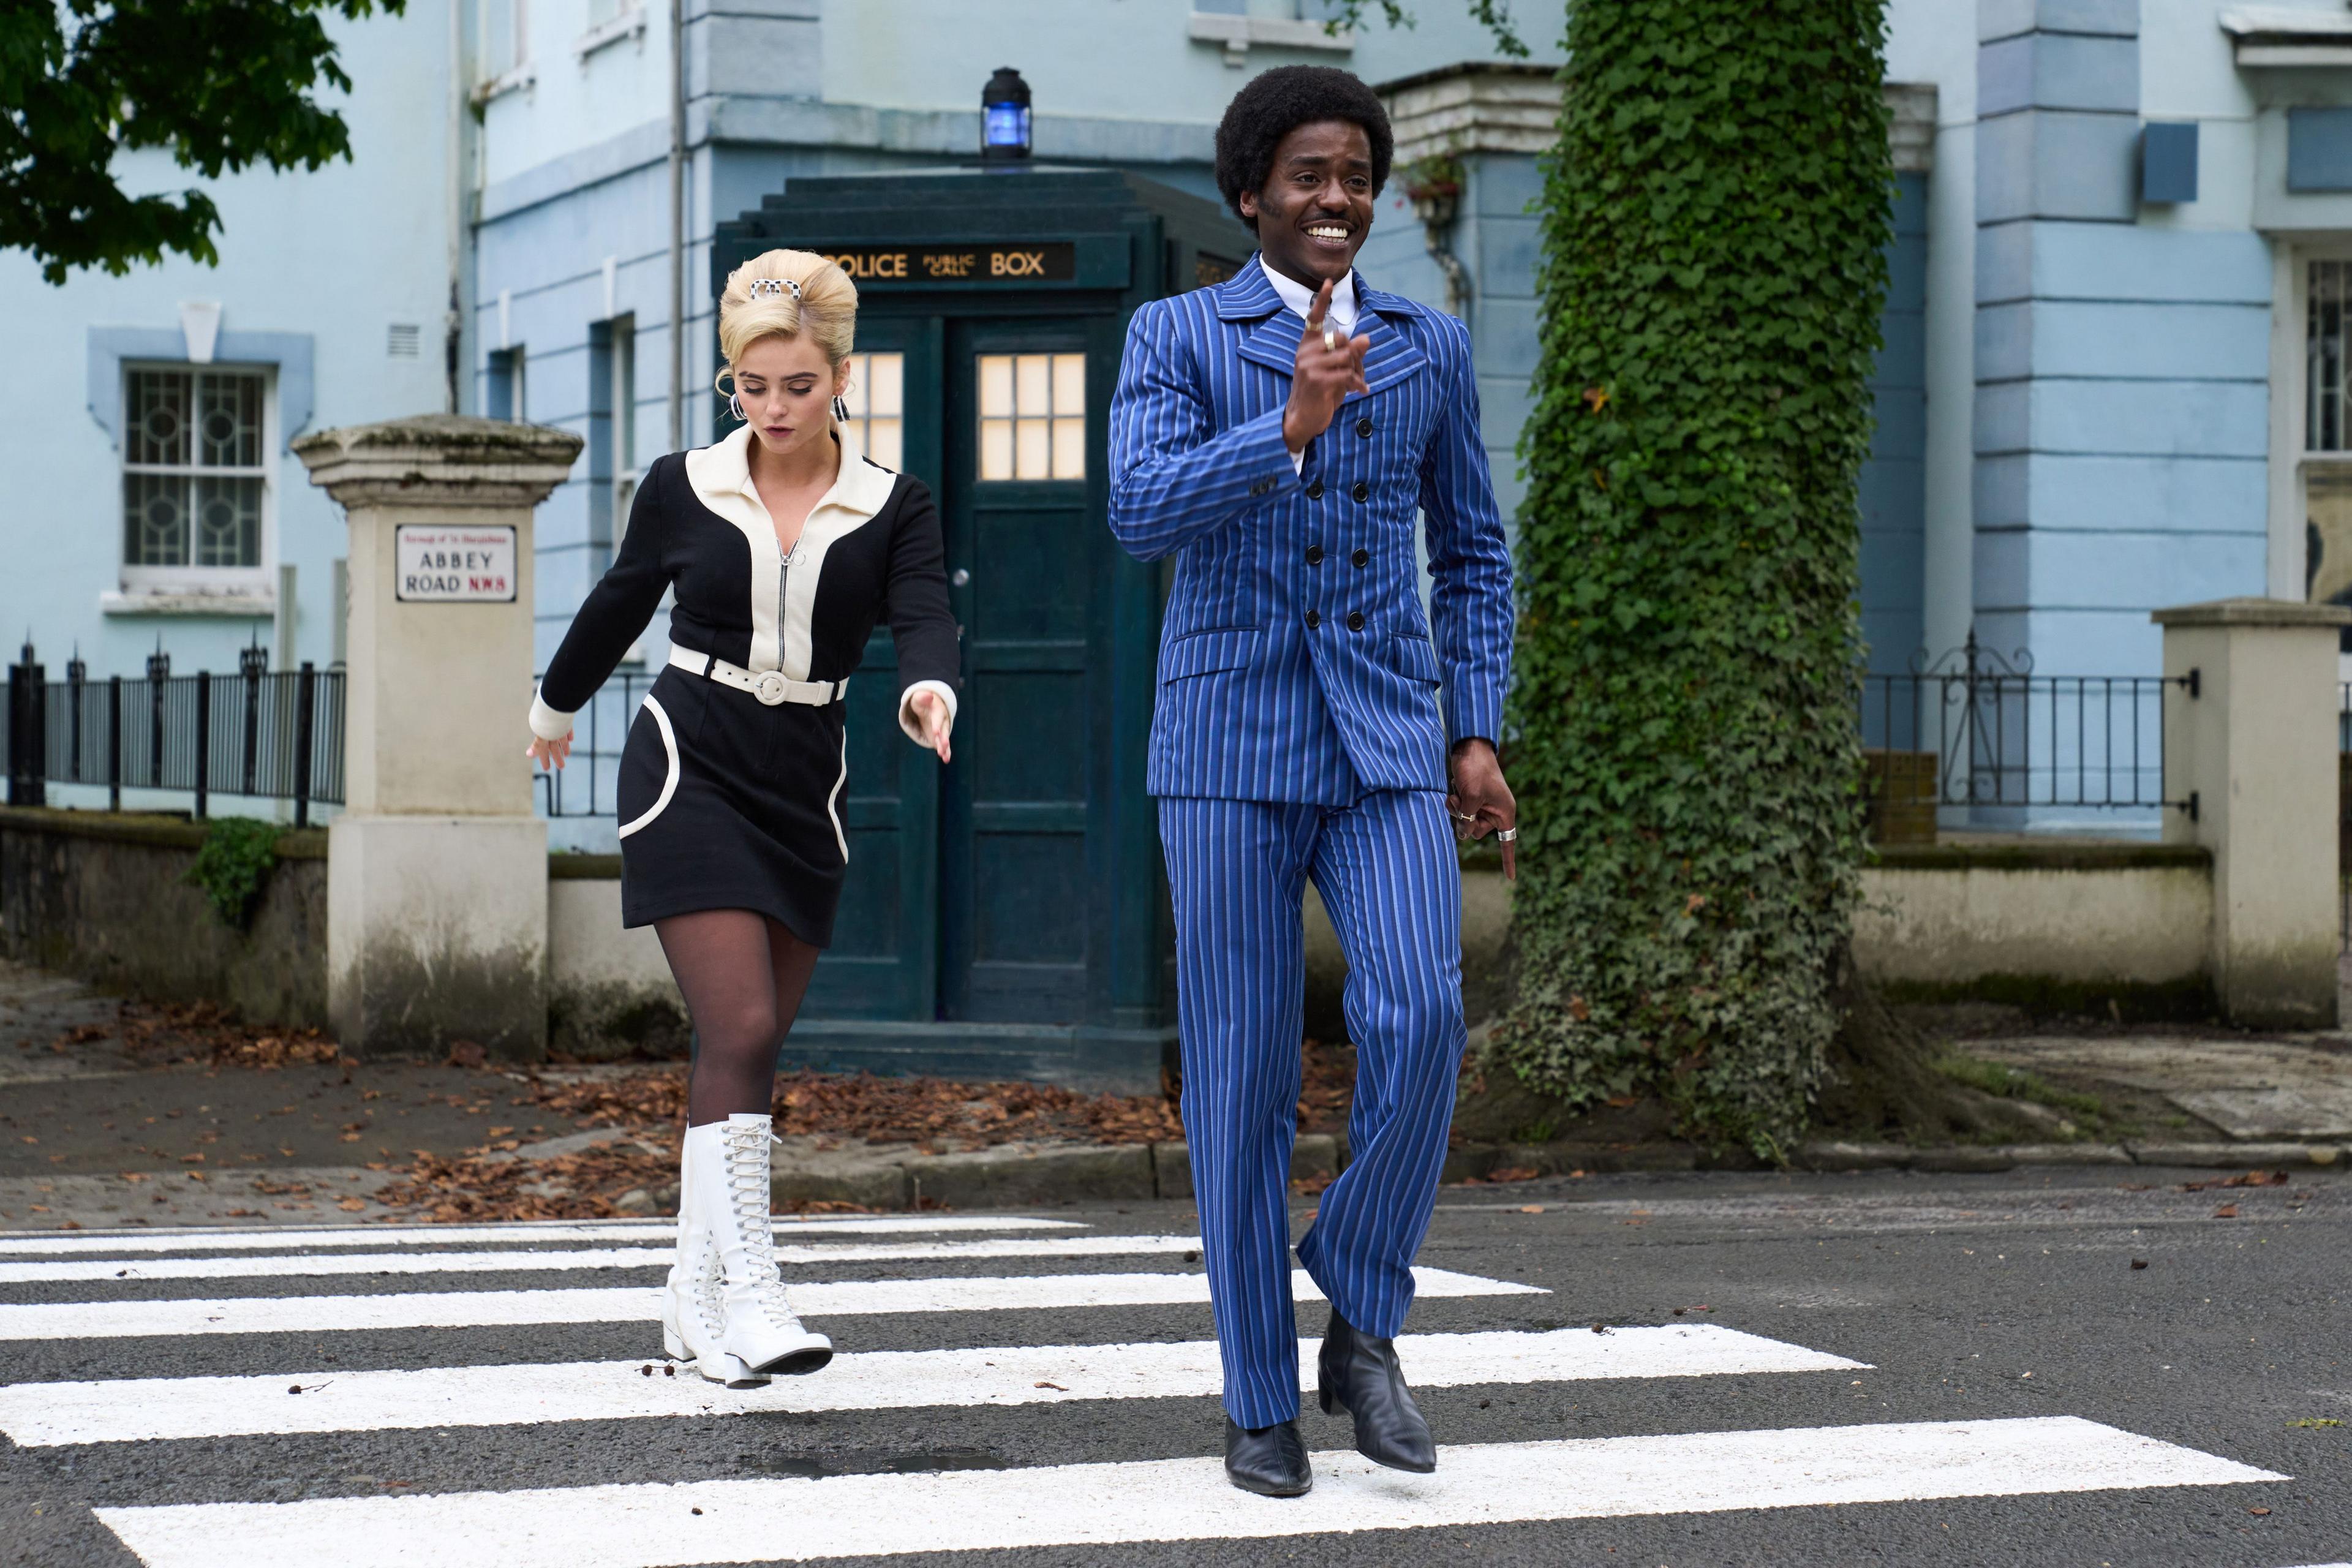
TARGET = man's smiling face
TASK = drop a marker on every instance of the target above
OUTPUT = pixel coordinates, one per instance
(1316, 204)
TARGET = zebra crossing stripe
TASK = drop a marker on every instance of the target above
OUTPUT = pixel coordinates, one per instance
(125, 1410)
(482, 1308)
(82, 1269)
(50, 1245)
(641, 1526)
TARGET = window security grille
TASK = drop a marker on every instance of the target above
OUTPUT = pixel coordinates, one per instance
(193, 470)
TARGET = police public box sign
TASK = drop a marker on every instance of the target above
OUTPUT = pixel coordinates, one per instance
(438, 565)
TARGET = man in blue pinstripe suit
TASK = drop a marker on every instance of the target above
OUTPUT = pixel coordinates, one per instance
(1276, 436)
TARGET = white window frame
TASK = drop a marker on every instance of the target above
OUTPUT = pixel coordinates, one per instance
(521, 73)
(255, 583)
(628, 21)
(2291, 460)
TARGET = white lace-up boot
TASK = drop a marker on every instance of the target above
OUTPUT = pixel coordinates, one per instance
(694, 1321)
(730, 1173)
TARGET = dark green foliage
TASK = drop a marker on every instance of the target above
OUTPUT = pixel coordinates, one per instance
(1684, 720)
(219, 84)
(1494, 14)
(233, 866)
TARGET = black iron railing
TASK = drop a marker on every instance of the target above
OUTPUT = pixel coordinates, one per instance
(584, 785)
(1979, 729)
(265, 734)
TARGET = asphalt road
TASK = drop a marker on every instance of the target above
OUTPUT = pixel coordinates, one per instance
(1995, 1319)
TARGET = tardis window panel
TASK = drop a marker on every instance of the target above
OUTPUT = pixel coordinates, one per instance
(1032, 416)
(193, 468)
(877, 400)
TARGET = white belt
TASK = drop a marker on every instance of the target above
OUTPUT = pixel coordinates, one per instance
(770, 686)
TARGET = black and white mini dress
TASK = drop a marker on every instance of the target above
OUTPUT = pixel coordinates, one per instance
(730, 782)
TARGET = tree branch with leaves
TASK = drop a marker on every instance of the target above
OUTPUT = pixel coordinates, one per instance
(220, 85)
(1496, 15)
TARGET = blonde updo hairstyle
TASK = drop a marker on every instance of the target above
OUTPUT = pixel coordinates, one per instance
(827, 307)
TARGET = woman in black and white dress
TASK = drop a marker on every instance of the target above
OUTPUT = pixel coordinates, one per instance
(784, 547)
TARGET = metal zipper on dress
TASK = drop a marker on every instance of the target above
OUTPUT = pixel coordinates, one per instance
(784, 584)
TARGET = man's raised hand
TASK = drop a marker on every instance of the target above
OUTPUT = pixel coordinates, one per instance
(1322, 376)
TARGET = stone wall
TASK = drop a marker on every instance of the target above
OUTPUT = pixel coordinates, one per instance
(2042, 923)
(105, 898)
(2045, 924)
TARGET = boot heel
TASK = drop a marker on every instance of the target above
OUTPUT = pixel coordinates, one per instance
(1323, 1395)
(673, 1346)
(720, 1367)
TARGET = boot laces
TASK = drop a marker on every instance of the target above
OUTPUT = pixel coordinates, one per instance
(748, 1190)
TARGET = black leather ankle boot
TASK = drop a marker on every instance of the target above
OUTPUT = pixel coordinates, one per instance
(1268, 1461)
(1360, 1374)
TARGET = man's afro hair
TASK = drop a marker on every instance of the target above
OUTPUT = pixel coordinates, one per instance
(1281, 101)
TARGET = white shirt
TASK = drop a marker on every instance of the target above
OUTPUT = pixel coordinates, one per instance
(1298, 300)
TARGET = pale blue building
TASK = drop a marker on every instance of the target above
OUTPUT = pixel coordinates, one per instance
(2114, 377)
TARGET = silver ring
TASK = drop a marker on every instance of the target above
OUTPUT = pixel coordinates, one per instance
(1331, 336)
(1505, 834)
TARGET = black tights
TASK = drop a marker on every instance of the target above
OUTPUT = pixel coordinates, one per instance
(744, 976)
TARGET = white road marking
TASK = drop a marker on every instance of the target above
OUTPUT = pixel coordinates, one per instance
(824, 1254)
(126, 1410)
(1166, 1499)
(478, 1309)
(520, 1232)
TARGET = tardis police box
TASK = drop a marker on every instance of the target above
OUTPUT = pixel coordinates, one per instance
(1006, 916)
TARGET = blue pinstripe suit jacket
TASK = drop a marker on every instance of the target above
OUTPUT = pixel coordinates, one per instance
(1256, 702)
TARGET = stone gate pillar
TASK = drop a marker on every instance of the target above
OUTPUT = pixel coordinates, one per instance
(2250, 736)
(436, 869)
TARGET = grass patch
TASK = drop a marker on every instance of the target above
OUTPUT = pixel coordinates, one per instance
(2005, 1082)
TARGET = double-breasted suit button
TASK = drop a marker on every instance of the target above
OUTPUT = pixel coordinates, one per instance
(1355, 620)
(1315, 490)
(1360, 558)
(1364, 429)
(1314, 619)
(1362, 491)
(1315, 555)
(1260, 487)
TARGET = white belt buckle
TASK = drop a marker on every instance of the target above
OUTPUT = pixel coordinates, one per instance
(768, 685)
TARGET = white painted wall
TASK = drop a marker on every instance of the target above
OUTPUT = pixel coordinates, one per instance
(339, 254)
(1936, 41)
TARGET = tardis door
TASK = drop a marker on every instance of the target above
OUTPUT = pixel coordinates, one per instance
(1023, 483)
(884, 962)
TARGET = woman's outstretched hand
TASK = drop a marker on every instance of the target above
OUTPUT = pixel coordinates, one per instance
(932, 715)
(549, 755)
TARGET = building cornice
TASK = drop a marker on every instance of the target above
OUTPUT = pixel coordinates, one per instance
(2288, 37)
(1510, 107)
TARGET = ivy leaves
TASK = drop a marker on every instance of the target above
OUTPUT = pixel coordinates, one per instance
(233, 867)
(1714, 225)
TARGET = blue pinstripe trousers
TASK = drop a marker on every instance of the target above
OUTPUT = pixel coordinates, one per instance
(1238, 871)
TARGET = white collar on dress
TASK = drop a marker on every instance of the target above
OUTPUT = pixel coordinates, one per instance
(1298, 298)
(720, 474)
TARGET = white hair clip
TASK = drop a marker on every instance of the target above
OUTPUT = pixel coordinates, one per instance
(760, 286)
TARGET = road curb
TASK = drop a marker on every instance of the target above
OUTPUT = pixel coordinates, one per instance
(807, 1171)
(1834, 1156)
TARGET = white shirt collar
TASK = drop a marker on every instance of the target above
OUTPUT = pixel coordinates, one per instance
(1296, 297)
(720, 474)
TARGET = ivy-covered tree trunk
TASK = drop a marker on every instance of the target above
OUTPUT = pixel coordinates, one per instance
(1684, 743)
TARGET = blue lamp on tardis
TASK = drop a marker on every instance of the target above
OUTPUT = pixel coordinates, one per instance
(1005, 116)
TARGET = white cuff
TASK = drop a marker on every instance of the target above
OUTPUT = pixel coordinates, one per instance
(546, 723)
(907, 719)
(1298, 462)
